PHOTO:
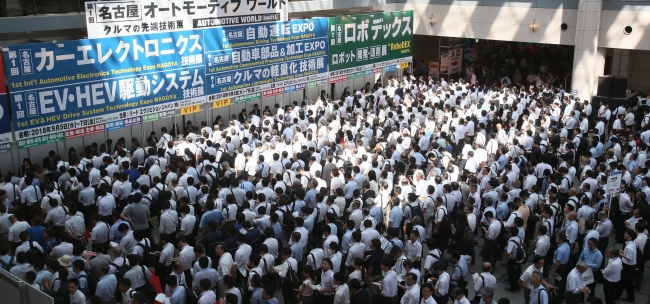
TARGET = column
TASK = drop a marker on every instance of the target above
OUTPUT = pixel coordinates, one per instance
(588, 58)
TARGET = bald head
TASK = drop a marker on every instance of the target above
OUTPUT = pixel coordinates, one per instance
(573, 215)
(487, 267)
(117, 252)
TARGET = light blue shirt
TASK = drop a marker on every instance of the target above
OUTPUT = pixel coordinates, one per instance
(106, 287)
(297, 206)
(375, 212)
(389, 245)
(535, 294)
(247, 186)
(214, 215)
(503, 160)
(460, 270)
(396, 215)
(502, 211)
(631, 166)
(308, 223)
(562, 254)
(114, 234)
(178, 295)
(43, 274)
(592, 258)
(348, 189)
(346, 240)
(599, 149)
(483, 302)
(572, 232)
(310, 198)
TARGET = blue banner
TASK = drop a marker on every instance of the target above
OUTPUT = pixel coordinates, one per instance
(246, 59)
(73, 84)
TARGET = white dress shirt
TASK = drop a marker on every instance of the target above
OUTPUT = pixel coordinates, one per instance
(612, 271)
(574, 281)
(411, 295)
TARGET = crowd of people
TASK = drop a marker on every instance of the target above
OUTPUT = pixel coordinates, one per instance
(379, 196)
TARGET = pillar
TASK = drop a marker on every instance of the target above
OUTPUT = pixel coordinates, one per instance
(588, 58)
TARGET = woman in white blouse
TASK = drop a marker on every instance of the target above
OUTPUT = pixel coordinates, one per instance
(359, 272)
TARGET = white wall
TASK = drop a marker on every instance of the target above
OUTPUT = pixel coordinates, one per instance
(494, 23)
(611, 33)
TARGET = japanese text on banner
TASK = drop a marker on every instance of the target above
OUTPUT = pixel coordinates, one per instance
(124, 18)
(53, 84)
(364, 39)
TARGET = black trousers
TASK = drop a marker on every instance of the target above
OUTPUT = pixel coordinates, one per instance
(611, 291)
(627, 281)
(562, 271)
(489, 252)
(572, 298)
(290, 296)
(514, 272)
(603, 244)
(163, 272)
(188, 277)
(640, 265)
(440, 300)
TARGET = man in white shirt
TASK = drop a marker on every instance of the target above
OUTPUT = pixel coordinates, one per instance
(412, 293)
(225, 265)
(628, 257)
(484, 280)
(342, 294)
(575, 286)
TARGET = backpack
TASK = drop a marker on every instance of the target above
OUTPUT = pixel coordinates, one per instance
(62, 292)
(532, 221)
(445, 223)
(92, 284)
(287, 218)
(522, 256)
(416, 211)
(553, 296)
(190, 296)
(557, 221)
(148, 289)
(583, 146)
(146, 256)
(7, 266)
(120, 270)
(33, 253)
(291, 279)
(173, 158)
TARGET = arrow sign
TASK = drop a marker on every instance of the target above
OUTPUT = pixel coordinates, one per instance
(455, 63)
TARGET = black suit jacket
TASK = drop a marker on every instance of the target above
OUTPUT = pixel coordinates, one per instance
(363, 296)
(47, 162)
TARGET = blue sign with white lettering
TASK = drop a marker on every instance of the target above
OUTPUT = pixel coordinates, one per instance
(66, 85)
(245, 59)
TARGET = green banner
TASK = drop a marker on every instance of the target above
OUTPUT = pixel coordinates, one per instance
(40, 140)
(247, 98)
(370, 38)
(150, 117)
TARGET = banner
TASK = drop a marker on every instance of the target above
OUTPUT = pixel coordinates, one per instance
(451, 62)
(247, 59)
(124, 18)
(6, 136)
(369, 38)
(69, 85)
